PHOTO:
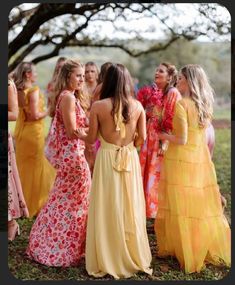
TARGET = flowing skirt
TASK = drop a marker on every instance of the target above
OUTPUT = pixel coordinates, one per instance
(117, 241)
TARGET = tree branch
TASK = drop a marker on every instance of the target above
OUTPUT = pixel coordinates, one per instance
(22, 14)
(44, 13)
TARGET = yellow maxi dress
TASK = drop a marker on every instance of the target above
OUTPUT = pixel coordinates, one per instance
(190, 224)
(116, 240)
(36, 173)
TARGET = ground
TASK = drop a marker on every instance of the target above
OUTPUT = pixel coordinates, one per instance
(163, 269)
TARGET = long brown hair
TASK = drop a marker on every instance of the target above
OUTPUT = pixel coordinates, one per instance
(118, 86)
(103, 69)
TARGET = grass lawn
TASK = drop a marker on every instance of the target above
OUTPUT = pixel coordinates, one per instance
(163, 269)
(222, 113)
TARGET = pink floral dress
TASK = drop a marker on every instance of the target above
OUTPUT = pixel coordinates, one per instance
(159, 114)
(57, 237)
(16, 202)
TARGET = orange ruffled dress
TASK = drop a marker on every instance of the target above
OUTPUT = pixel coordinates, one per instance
(190, 224)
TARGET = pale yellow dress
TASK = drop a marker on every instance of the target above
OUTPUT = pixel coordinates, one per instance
(36, 173)
(117, 241)
(190, 223)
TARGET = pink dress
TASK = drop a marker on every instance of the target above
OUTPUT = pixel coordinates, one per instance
(210, 138)
(57, 237)
(16, 202)
(159, 114)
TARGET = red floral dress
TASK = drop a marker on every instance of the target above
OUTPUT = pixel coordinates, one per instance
(159, 110)
(57, 237)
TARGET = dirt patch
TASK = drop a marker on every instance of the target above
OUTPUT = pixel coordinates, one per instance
(221, 124)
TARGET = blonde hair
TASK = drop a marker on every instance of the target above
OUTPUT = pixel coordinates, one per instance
(19, 75)
(84, 99)
(201, 92)
(56, 71)
(62, 82)
(173, 73)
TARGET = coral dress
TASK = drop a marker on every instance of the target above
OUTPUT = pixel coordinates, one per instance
(57, 237)
(190, 224)
(16, 202)
(159, 114)
(117, 241)
(36, 173)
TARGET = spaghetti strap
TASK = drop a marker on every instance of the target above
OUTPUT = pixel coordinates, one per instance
(118, 120)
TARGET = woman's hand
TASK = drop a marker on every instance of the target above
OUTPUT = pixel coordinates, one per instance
(163, 136)
(223, 201)
(81, 133)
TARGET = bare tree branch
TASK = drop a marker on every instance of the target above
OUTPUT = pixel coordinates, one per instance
(22, 14)
(40, 27)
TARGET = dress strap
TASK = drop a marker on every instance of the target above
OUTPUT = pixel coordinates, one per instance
(118, 120)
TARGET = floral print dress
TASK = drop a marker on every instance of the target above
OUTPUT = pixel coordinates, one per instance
(16, 202)
(57, 237)
(159, 110)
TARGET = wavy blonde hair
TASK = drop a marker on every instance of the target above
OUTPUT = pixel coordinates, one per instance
(19, 74)
(61, 83)
(201, 92)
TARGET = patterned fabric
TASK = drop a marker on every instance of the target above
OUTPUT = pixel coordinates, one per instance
(190, 223)
(16, 202)
(159, 110)
(58, 235)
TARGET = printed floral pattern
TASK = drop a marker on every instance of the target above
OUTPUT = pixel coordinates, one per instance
(58, 235)
(16, 202)
(159, 110)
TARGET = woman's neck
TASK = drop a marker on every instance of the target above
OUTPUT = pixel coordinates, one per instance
(186, 95)
(162, 86)
(28, 84)
(70, 89)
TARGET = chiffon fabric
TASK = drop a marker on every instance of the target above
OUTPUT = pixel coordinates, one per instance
(57, 237)
(16, 202)
(116, 240)
(190, 223)
(36, 173)
(159, 113)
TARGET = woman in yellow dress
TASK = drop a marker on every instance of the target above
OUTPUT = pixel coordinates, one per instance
(190, 224)
(36, 173)
(116, 240)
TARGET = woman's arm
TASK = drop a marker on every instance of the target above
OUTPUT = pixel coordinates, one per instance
(67, 106)
(12, 103)
(35, 114)
(181, 127)
(91, 136)
(141, 128)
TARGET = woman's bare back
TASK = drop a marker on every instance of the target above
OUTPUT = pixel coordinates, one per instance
(107, 127)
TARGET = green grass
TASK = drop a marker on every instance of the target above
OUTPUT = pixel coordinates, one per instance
(11, 125)
(222, 113)
(222, 161)
(163, 269)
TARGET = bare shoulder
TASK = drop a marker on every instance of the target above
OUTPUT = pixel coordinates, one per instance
(174, 92)
(137, 105)
(68, 99)
(101, 105)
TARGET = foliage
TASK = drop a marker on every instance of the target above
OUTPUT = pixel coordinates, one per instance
(214, 57)
(163, 269)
